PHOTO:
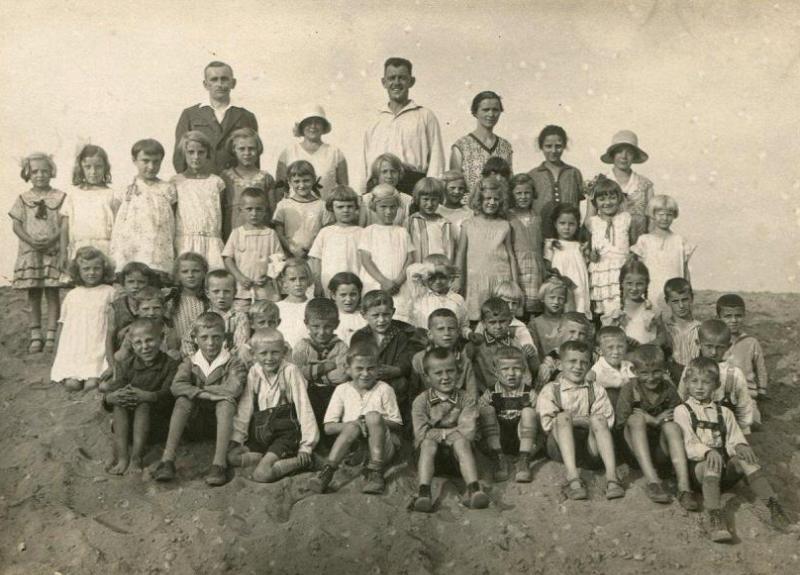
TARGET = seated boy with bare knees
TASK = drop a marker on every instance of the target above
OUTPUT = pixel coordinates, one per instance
(444, 418)
(612, 370)
(362, 407)
(578, 417)
(444, 333)
(574, 327)
(508, 419)
(645, 412)
(274, 428)
(139, 393)
(206, 388)
(715, 339)
(717, 449)
(151, 305)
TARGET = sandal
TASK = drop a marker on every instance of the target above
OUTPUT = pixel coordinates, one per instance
(614, 490)
(578, 493)
(50, 341)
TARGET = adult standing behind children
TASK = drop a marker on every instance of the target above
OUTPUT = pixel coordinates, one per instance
(405, 129)
(217, 119)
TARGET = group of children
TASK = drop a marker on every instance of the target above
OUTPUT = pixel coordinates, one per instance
(304, 330)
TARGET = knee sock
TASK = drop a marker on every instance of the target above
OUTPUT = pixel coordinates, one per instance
(526, 438)
(711, 492)
(284, 467)
(760, 486)
(247, 459)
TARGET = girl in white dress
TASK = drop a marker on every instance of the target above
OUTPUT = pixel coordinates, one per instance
(82, 356)
(144, 228)
(335, 248)
(294, 279)
(385, 169)
(568, 255)
(299, 217)
(199, 225)
(87, 212)
(665, 253)
(345, 289)
(328, 161)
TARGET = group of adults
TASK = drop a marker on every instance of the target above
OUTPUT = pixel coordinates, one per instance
(403, 128)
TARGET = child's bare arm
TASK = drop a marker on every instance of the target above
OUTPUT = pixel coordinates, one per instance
(230, 265)
(401, 278)
(461, 262)
(280, 229)
(512, 258)
(365, 259)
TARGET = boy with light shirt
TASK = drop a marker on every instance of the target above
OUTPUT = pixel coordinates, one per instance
(612, 370)
(680, 327)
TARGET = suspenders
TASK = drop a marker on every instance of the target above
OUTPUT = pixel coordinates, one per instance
(718, 425)
(557, 396)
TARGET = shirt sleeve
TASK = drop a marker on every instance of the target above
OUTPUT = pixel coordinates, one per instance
(695, 449)
(318, 246)
(183, 383)
(733, 433)
(602, 405)
(241, 330)
(335, 411)
(420, 418)
(232, 382)
(280, 213)
(639, 247)
(468, 418)
(17, 211)
(436, 166)
(742, 402)
(229, 251)
(391, 411)
(309, 433)
(241, 421)
(760, 367)
(339, 356)
(300, 357)
(624, 406)
(547, 408)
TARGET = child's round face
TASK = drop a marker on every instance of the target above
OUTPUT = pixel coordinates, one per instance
(574, 365)
(488, 112)
(634, 287)
(386, 211)
(254, 211)
(246, 151)
(439, 282)
(733, 318)
(680, 304)
(566, 227)
(269, 354)
(511, 372)
(650, 376)
(363, 371)
(40, 174)
(345, 212)
(302, 185)
(553, 148)
(264, 320)
(134, 282)
(497, 326)
(150, 309)
(608, 203)
(196, 156)
(347, 298)
(714, 347)
(613, 349)
(490, 200)
(574, 331)
(388, 174)
(190, 274)
(94, 170)
(91, 271)
(455, 191)
(442, 374)
(148, 165)
(443, 332)
(428, 204)
(554, 301)
(321, 330)
(295, 281)
(146, 343)
(379, 318)
(523, 196)
(701, 386)
(313, 128)
(663, 219)
(209, 340)
(623, 158)
(220, 292)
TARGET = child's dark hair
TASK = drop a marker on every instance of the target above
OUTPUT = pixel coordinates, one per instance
(442, 312)
(552, 130)
(647, 355)
(439, 353)
(345, 278)
(362, 349)
(480, 97)
(219, 274)
(138, 268)
(321, 308)
(397, 62)
(703, 366)
(208, 320)
(341, 194)
(677, 285)
(610, 331)
(573, 345)
(496, 165)
(521, 179)
(255, 193)
(713, 329)
(88, 253)
(729, 300)
(90, 151)
(633, 267)
(300, 168)
(239, 134)
(25, 165)
(575, 317)
(375, 298)
(495, 307)
(603, 186)
(149, 293)
(561, 209)
(506, 352)
(148, 146)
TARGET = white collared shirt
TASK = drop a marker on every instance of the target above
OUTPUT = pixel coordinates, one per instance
(208, 368)
(219, 113)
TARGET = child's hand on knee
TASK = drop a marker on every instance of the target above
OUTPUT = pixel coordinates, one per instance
(714, 461)
(746, 454)
(304, 458)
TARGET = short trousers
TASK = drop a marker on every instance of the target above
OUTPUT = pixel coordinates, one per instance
(509, 435)
(320, 396)
(275, 430)
(731, 474)
(391, 441)
(583, 457)
(202, 422)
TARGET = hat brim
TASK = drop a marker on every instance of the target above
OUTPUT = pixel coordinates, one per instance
(608, 157)
(298, 133)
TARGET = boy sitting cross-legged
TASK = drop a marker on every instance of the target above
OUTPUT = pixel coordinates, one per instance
(362, 407)
(444, 419)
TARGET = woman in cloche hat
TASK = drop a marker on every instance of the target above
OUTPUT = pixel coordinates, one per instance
(328, 161)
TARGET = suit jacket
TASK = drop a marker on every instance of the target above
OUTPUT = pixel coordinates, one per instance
(202, 118)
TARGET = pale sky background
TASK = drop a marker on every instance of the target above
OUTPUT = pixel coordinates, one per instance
(711, 88)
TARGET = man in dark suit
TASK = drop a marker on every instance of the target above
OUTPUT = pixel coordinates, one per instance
(216, 120)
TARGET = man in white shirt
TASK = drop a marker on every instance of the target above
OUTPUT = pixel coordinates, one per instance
(405, 129)
(217, 119)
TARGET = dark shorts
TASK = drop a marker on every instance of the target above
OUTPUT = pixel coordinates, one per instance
(583, 458)
(731, 474)
(445, 462)
(509, 435)
(275, 431)
(320, 396)
(202, 422)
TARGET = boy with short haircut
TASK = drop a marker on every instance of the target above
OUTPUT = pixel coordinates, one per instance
(717, 450)
(612, 370)
(150, 305)
(645, 411)
(745, 351)
(262, 314)
(362, 407)
(574, 327)
(139, 394)
(577, 416)
(680, 327)
(206, 388)
(715, 339)
(397, 342)
(274, 427)
(321, 357)
(514, 297)
(508, 417)
(221, 290)
(496, 318)
(443, 333)
(444, 419)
